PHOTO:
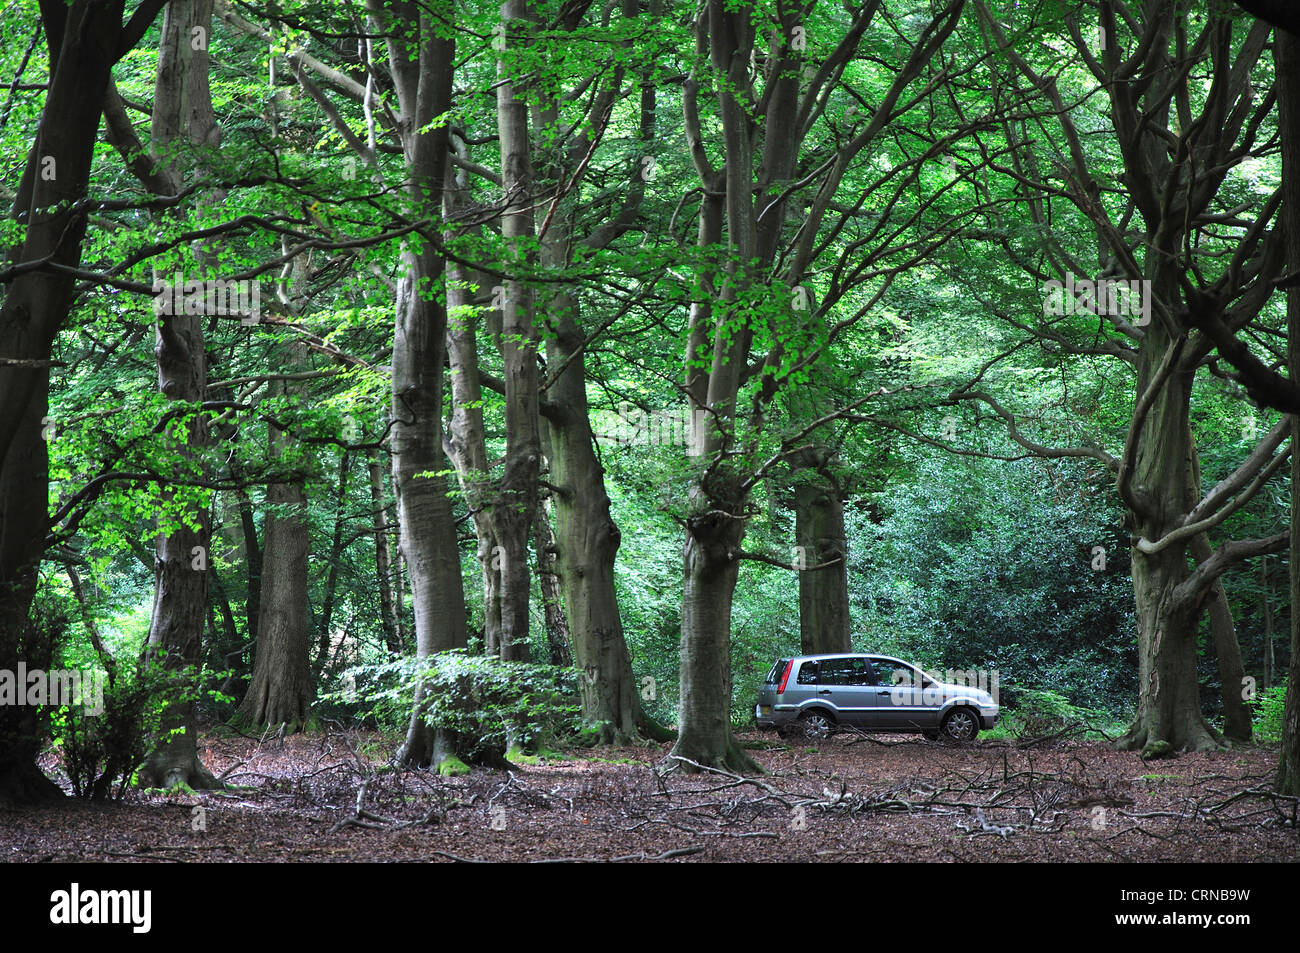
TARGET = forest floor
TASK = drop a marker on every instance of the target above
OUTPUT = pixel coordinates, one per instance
(328, 797)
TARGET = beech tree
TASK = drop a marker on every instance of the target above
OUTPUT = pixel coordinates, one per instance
(1158, 229)
(561, 147)
(586, 537)
(83, 41)
(182, 113)
(421, 58)
(762, 152)
(1262, 382)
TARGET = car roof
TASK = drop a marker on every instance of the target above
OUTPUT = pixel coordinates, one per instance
(806, 658)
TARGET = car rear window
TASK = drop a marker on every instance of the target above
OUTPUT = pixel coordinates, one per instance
(807, 673)
(774, 676)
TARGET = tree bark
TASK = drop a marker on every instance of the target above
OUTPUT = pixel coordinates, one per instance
(281, 690)
(719, 500)
(1266, 614)
(84, 39)
(516, 499)
(383, 556)
(586, 539)
(336, 557)
(824, 625)
(710, 569)
(421, 62)
(1169, 714)
(1286, 56)
(548, 580)
(1237, 726)
(466, 441)
(21, 733)
(182, 109)
(252, 560)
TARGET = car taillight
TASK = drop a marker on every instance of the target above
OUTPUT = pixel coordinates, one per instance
(785, 676)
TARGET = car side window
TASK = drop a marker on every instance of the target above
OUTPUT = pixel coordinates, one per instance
(891, 673)
(836, 672)
(861, 672)
(808, 674)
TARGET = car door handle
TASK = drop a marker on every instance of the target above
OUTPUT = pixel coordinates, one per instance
(884, 691)
(824, 691)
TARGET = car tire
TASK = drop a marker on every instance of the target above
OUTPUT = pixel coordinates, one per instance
(816, 725)
(960, 724)
(930, 734)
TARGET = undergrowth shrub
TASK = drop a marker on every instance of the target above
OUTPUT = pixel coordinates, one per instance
(1040, 713)
(100, 749)
(1267, 707)
(486, 706)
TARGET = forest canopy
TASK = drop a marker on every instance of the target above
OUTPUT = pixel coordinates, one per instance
(518, 376)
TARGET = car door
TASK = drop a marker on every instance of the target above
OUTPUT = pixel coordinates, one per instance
(903, 697)
(803, 686)
(851, 683)
(828, 688)
(876, 697)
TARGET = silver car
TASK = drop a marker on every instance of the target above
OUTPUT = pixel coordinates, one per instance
(813, 695)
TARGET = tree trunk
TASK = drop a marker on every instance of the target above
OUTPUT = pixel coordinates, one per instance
(711, 569)
(512, 511)
(21, 732)
(400, 588)
(84, 39)
(467, 442)
(1237, 726)
(1169, 714)
(1169, 711)
(336, 557)
(823, 593)
(719, 499)
(428, 532)
(1286, 52)
(182, 108)
(421, 62)
(1266, 613)
(1227, 650)
(586, 539)
(252, 561)
(383, 556)
(175, 633)
(281, 690)
(548, 580)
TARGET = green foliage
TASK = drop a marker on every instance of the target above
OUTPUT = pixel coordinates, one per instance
(1040, 713)
(1268, 707)
(485, 705)
(103, 745)
(979, 564)
(954, 561)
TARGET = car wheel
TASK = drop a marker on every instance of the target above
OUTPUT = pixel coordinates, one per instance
(960, 724)
(817, 725)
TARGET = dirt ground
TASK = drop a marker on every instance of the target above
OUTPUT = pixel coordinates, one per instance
(328, 797)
